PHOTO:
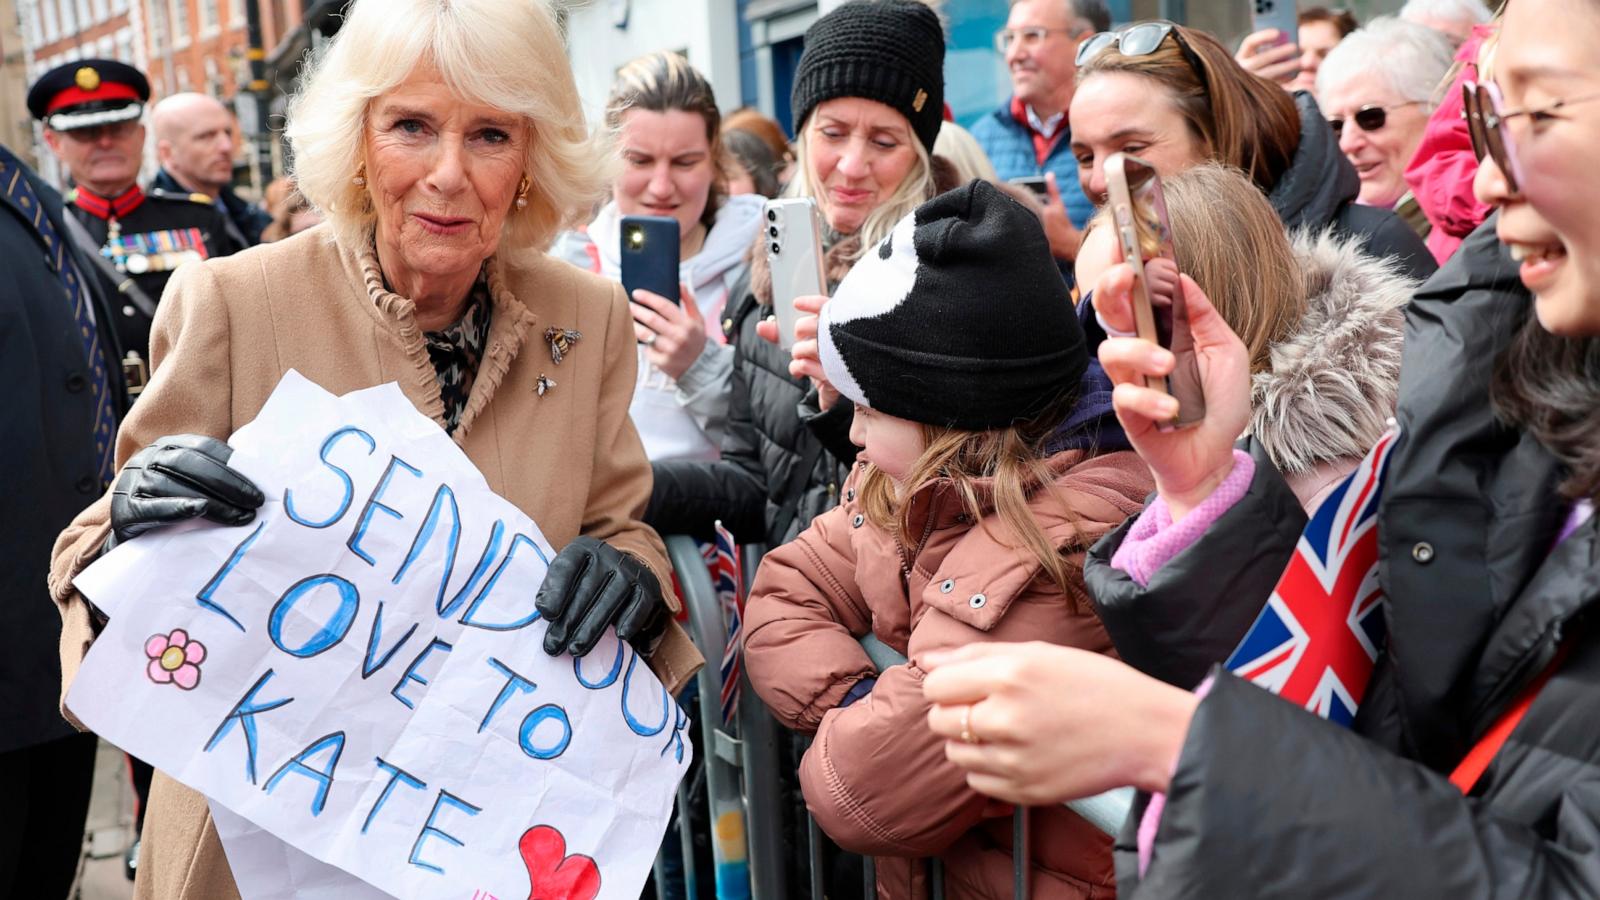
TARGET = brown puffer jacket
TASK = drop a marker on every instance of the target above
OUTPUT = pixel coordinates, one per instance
(876, 778)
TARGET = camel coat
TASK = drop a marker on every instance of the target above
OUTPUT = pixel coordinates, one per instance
(228, 329)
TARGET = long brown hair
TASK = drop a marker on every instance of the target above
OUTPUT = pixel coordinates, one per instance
(664, 81)
(1011, 459)
(1232, 243)
(1240, 119)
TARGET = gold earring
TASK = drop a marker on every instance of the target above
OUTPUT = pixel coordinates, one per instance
(361, 176)
(522, 193)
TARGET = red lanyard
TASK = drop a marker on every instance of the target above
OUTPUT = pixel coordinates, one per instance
(1483, 752)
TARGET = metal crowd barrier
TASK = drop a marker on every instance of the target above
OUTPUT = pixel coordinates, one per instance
(743, 788)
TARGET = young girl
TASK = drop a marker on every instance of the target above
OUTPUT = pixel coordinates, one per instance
(958, 344)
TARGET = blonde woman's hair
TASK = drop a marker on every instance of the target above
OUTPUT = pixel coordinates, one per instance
(1232, 243)
(914, 190)
(506, 55)
(962, 149)
(1011, 459)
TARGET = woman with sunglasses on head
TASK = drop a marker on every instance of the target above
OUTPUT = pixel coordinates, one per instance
(1472, 768)
(1175, 97)
(1377, 88)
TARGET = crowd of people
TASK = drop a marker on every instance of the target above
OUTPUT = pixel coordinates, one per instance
(1383, 231)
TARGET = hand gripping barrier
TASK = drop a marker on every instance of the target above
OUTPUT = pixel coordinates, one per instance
(743, 790)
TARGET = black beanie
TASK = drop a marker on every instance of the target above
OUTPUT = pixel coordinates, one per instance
(959, 318)
(891, 51)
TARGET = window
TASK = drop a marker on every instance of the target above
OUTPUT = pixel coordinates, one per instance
(180, 23)
(69, 21)
(236, 12)
(208, 16)
(119, 6)
(125, 46)
(101, 13)
(84, 19)
(34, 27)
(51, 28)
(158, 29)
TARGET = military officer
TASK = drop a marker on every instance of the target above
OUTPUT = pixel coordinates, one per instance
(91, 110)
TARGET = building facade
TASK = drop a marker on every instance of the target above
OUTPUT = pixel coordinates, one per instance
(59, 31)
(16, 129)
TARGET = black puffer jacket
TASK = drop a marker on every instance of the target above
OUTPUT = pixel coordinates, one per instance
(774, 427)
(1270, 801)
(1320, 187)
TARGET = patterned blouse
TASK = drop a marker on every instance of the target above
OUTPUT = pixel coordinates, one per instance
(457, 350)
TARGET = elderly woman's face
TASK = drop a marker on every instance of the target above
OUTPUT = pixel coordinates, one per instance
(443, 174)
(1380, 156)
(859, 151)
(667, 167)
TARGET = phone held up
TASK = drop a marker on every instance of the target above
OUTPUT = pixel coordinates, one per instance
(1282, 16)
(1036, 183)
(650, 255)
(1144, 239)
(794, 254)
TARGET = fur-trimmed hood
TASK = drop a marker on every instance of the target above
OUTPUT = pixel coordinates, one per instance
(1333, 383)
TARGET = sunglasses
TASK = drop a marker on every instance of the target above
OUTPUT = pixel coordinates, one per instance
(1142, 40)
(1371, 117)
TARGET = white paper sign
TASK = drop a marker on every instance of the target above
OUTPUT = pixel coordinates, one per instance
(358, 671)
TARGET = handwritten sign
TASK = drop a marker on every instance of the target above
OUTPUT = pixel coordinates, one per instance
(358, 672)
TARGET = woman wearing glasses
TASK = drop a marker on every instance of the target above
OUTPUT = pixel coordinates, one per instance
(1472, 768)
(1177, 98)
(1377, 89)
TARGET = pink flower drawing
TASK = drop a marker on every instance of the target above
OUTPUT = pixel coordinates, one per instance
(174, 658)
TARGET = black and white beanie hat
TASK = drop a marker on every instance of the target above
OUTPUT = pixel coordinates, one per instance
(959, 318)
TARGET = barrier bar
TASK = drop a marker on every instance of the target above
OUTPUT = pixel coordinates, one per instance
(719, 757)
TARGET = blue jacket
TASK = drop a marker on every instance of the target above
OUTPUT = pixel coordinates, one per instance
(1009, 145)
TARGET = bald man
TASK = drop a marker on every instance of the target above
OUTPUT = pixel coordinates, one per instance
(195, 146)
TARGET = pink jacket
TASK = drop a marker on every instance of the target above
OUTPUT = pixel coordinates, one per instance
(1440, 174)
(876, 777)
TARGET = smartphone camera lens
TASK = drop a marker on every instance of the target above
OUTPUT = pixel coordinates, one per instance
(772, 215)
(773, 231)
(636, 238)
(774, 248)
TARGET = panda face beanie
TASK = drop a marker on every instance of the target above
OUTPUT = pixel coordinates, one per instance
(959, 318)
(891, 51)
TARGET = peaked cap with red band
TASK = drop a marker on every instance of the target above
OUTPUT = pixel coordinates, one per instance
(88, 92)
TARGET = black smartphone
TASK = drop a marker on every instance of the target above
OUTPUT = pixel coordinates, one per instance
(1036, 183)
(650, 256)
(1144, 239)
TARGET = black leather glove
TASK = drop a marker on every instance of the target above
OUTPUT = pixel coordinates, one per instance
(592, 585)
(180, 477)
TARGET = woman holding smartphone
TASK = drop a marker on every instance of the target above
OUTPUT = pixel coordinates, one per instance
(1472, 766)
(669, 136)
(1175, 97)
(867, 101)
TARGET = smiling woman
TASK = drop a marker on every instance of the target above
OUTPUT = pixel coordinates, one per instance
(444, 142)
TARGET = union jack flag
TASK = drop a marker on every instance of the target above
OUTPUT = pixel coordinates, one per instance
(1315, 642)
(729, 582)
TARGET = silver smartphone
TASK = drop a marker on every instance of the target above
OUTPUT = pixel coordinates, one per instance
(1282, 16)
(794, 255)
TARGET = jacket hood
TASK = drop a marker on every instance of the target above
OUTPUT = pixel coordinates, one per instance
(723, 250)
(1332, 385)
(1319, 180)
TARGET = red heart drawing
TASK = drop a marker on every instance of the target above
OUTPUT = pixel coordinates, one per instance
(552, 874)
